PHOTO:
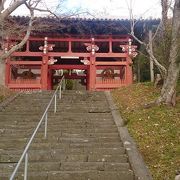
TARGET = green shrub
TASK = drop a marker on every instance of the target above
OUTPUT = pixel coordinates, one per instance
(69, 84)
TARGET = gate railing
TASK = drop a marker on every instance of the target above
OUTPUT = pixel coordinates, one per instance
(44, 118)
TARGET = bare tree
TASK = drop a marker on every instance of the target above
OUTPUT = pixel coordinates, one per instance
(32, 6)
(168, 92)
(5, 12)
(170, 73)
(147, 45)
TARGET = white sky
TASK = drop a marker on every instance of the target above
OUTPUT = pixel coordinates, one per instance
(119, 8)
(106, 8)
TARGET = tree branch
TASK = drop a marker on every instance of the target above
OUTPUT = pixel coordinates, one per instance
(24, 40)
(11, 8)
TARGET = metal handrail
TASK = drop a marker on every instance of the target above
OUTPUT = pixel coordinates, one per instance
(43, 118)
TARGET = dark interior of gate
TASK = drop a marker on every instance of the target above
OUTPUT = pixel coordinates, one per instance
(98, 61)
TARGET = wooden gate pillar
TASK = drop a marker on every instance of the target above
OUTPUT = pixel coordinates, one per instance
(92, 48)
(44, 67)
(92, 73)
(130, 50)
(50, 79)
(44, 73)
(129, 74)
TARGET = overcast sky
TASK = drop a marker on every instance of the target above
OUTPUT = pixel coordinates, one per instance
(106, 8)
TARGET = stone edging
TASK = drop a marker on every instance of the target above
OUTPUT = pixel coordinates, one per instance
(7, 101)
(138, 165)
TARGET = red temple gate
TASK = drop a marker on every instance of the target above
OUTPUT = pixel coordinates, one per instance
(105, 62)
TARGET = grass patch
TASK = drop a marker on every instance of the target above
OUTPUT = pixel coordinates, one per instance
(156, 130)
(4, 93)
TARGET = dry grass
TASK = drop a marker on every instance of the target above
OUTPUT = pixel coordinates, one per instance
(4, 93)
(156, 129)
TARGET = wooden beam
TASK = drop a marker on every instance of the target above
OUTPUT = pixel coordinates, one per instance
(56, 67)
(111, 63)
(76, 54)
(26, 54)
(73, 76)
(116, 67)
(24, 86)
(26, 62)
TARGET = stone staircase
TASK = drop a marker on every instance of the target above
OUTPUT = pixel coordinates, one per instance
(83, 142)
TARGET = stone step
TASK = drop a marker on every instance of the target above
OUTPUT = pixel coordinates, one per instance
(12, 132)
(92, 175)
(62, 114)
(82, 110)
(31, 123)
(35, 96)
(64, 150)
(82, 141)
(78, 140)
(23, 119)
(66, 166)
(30, 107)
(76, 175)
(61, 143)
(67, 155)
(4, 116)
(63, 157)
(35, 166)
(20, 113)
(115, 134)
(101, 166)
(82, 115)
(61, 102)
(52, 123)
(48, 145)
(54, 135)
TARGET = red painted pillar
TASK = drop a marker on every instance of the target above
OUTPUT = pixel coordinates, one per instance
(44, 66)
(44, 72)
(110, 44)
(87, 78)
(92, 48)
(92, 73)
(129, 73)
(50, 79)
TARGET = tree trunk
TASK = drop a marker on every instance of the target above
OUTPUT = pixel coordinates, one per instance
(2, 73)
(151, 63)
(168, 92)
(138, 70)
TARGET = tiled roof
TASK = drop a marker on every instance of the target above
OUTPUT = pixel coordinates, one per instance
(73, 25)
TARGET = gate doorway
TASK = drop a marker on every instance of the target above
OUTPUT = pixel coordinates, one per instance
(75, 76)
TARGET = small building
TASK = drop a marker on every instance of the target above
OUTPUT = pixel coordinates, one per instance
(99, 52)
